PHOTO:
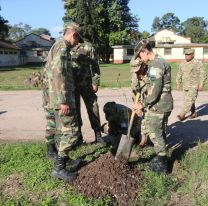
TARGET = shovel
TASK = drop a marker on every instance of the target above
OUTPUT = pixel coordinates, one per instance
(126, 142)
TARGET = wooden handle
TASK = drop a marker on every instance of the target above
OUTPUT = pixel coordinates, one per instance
(137, 98)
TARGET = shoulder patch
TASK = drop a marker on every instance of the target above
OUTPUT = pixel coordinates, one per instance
(152, 72)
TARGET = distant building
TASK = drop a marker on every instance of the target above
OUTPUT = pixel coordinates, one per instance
(9, 54)
(169, 45)
(34, 48)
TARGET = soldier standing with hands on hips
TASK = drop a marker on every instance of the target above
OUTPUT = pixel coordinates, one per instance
(192, 75)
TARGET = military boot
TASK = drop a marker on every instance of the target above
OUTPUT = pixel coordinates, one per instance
(59, 171)
(181, 116)
(98, 137)
(52, 152)
(159, 164)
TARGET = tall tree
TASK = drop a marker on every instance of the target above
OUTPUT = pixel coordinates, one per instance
(18, 31)
(105, 22)
(156, 25)
(4, 27)
(167, 21)
(40, 31)
(196, 28)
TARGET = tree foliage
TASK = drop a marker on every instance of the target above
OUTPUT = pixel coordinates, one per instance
(40, 31)
(196, 28)
(18, 31)
(105, 22)
(167, 21)
(4, 27)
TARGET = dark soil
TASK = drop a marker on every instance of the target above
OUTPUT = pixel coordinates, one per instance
(107, 177)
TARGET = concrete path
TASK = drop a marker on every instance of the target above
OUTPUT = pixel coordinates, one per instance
(22, 117)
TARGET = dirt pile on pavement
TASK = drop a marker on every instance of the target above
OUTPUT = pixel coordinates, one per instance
(106, 177)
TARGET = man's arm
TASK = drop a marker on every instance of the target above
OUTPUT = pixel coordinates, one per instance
(179, 78)
(203, 77)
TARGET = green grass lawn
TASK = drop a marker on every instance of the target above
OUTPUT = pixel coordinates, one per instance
(112, 75)
(25, 179)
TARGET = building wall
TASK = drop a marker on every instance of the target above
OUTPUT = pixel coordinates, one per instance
(121, 55)
(9, 58)
(167, 35)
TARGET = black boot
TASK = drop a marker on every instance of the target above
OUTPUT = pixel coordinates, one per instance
(159, 164)
(60, 172)
(52, 152)
(98, 137)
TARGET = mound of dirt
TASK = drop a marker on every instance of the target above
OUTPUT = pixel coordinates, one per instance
(107, 177)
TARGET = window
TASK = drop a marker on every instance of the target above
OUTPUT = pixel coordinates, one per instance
(167, 51)
(39, 53)
(130, 52)
(205, 50)
(1, 52)
(10, 52)
(5, 52)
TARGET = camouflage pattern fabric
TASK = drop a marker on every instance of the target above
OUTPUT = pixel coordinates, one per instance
(158, 102)
(61, 91)
(138, 84)
(60, 75)
(191, 75)
(86, 72)
(67, 132)
(118, 117)
(39, 79)
(156, 125)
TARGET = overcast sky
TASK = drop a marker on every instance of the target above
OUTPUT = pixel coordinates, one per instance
(48, 13)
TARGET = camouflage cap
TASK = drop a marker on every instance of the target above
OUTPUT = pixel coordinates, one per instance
(139, 46)
(75, 26)
(189, 51)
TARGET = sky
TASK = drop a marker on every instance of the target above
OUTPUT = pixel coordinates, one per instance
(48, 13)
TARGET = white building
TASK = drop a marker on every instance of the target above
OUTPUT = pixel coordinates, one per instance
(169, 45)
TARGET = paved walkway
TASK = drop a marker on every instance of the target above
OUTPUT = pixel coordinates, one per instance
(22, 117)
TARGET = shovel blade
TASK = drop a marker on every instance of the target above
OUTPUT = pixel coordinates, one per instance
(124, 147)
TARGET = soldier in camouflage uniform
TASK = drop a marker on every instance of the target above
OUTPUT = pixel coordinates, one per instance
(118, 117)
(39, 79)
(192, 75)
(87, 78)
(138, 84)
(158, 103)
(62, 98)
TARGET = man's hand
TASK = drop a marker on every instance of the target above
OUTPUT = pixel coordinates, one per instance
(177, 87)
(138, 109)
(200, 88)
(64, 109)
(94, 88)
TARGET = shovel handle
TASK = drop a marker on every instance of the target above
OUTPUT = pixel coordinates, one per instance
(137, 98)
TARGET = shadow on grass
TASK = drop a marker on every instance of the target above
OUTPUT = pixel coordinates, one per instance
(186, 135)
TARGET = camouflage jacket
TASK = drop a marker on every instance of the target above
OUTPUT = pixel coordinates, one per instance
(159, 98)
(191, 74)
(85, 65)
(121, 119)
(138, 84)
(60, 75)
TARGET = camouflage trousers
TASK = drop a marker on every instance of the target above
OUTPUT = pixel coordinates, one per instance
(67, 131)
(50, 125)
(156, 126)
(189, 100)
(90, 100)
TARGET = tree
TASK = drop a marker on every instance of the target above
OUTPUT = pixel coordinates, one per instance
(167, 21)
(156, 26)
(105, 22)
(196, 28)
(40, 31)
(4, 28)
(18, 31)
